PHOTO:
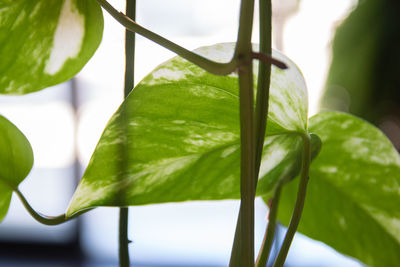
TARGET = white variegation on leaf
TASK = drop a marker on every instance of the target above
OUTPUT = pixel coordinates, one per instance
(43, 43)
(353, 196)
(176, 137)
(68, 37)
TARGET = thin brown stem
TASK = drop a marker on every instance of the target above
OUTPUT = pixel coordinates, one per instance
(269, 59)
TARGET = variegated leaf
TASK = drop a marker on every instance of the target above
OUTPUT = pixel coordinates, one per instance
(176, 137)
(43, 43)
(353, 199)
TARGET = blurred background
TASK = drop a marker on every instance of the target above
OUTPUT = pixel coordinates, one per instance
(64, 123)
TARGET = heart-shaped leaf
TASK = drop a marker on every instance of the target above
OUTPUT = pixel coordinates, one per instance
(43, 43)
(16, 161)
(176, 137)
(353, 199)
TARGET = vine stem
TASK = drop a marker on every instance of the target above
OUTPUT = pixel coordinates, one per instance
(247, 185)
(211, 66)
(266, 246)
(124, 260)
(266, 58)
(123, 238)
(47, 220)
(298, 208)
(264, 80)
(44, 219)
(243, 53)
(261, 110)
(130, 42)
(208, 65)
(262, 106)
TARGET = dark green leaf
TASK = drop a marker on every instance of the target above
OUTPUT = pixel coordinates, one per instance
(16, 160)
(43, 43)
(354, 191)
(363, 78)
(176, 138)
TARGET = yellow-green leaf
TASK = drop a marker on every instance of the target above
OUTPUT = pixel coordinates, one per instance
(176, 137)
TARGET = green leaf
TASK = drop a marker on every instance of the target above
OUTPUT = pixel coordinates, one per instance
(363, 77)
(43, 43)
(16, 161)
(353, 197)
(176, 137)
(5, 199)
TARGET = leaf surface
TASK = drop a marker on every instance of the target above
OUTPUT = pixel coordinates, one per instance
(353, 197)
(16, 161)
(363, 77)
(43, 43)
(176, 137)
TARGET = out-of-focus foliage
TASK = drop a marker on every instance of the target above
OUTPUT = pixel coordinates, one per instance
(364, 76)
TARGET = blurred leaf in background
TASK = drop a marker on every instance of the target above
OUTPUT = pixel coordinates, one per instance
(364, 78)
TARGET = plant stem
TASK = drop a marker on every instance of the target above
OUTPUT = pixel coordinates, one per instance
(266, 58)
(264, 78)
(208, 65)
(298, 208)
(243, 44)
(130, 50)
(247, 185)
(261, 111)
(48, 220)
(123, 238)
(128, 87)
(266, 246)
(44, 219)
(243, 247)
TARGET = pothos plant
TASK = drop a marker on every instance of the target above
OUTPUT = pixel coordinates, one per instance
(216, 123)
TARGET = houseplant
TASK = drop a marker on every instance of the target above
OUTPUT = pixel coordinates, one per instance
(187, 127)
